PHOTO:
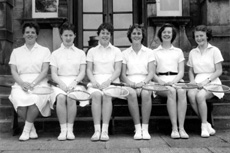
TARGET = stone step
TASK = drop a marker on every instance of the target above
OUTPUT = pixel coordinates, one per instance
(52, 124)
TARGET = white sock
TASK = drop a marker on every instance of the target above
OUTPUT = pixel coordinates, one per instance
(145, 127)
(105, 127)
(27, 126)
(137, 127)
(63, 127)
(97, 127)
(70, 126)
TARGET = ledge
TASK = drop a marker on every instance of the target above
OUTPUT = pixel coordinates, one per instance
(177, 20)
(46, 23)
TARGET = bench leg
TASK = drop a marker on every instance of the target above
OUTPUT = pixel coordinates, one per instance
(15, 126)
(210, 115)
(111, 126)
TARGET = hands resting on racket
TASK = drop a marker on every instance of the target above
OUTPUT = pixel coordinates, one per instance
(26, 86)
(101, 86)
(66, 88)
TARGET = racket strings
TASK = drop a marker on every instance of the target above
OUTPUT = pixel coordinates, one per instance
(41, 90)
(217, 88)
(186, 85)
(155, 87)
(79, 95)
(116, 92)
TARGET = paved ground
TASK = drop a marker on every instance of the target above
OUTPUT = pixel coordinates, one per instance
(120, 142)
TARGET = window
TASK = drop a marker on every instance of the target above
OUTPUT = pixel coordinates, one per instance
(169, 7)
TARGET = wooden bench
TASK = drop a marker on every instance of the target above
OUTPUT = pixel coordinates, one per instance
(119, 107)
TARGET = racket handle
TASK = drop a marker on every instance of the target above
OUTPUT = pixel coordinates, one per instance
(51, 82)
(82, 84)
(118, 84)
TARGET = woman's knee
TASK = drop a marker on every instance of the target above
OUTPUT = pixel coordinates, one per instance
(171, 92)
(61, 97)
(200, 97)
(132, 94)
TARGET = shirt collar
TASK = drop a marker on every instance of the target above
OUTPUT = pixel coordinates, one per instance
(208, 47)
(35, 46)
(161, 48)
(109, 46)
(141, 50)
(64, 47)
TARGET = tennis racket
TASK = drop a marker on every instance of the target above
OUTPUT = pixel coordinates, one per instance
(217, 88)
(150, 86)
(78, 95)
(41, 90)
(184, 85)
(155, 87)
(209, 87)
(116, 92)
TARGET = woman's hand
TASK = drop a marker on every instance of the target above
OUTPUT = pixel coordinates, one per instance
(140, 84)
(25, 86)
(96, 85)
(169, 83)
(131, 84)
(63, 87)
(105, 84)
(72, 86)
(161, 82)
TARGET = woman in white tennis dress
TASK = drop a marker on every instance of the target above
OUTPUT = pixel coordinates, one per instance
(68, 64)
(103, 68)
(169, 68)
(29, 66)
(137, 70)
(205, 66)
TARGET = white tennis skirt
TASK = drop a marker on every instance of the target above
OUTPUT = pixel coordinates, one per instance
(67, 80)
(203, 76)
(100, 78)
(20, 98)
(137, 79)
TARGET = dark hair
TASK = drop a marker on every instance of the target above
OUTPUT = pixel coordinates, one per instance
(31, 25)
(136, 26)
(107, 26)
(163, 28)
(67, 26)
(204, 29)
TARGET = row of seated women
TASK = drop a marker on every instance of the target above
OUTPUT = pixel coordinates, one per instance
(104, 64)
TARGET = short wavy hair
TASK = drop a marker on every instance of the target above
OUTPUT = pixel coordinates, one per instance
(136, 26)
(162, 28)
(107, 26)
(31, 25)
(203, 28)
(67, 26)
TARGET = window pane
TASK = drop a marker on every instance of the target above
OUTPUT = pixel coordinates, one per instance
(92, 5)
(86, 35)
(120, 38)
(91, 21)
(122, 5)
(169, 5)
(122, 21)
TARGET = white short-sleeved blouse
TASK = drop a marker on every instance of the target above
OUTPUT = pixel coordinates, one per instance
(68, 60)
(167, 60)
(137, 64)
(205, 62)
(30, 61)
(104, 59)
(29, 65)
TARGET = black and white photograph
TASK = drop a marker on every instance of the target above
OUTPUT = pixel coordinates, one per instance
(45, 8)
(114, 76)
